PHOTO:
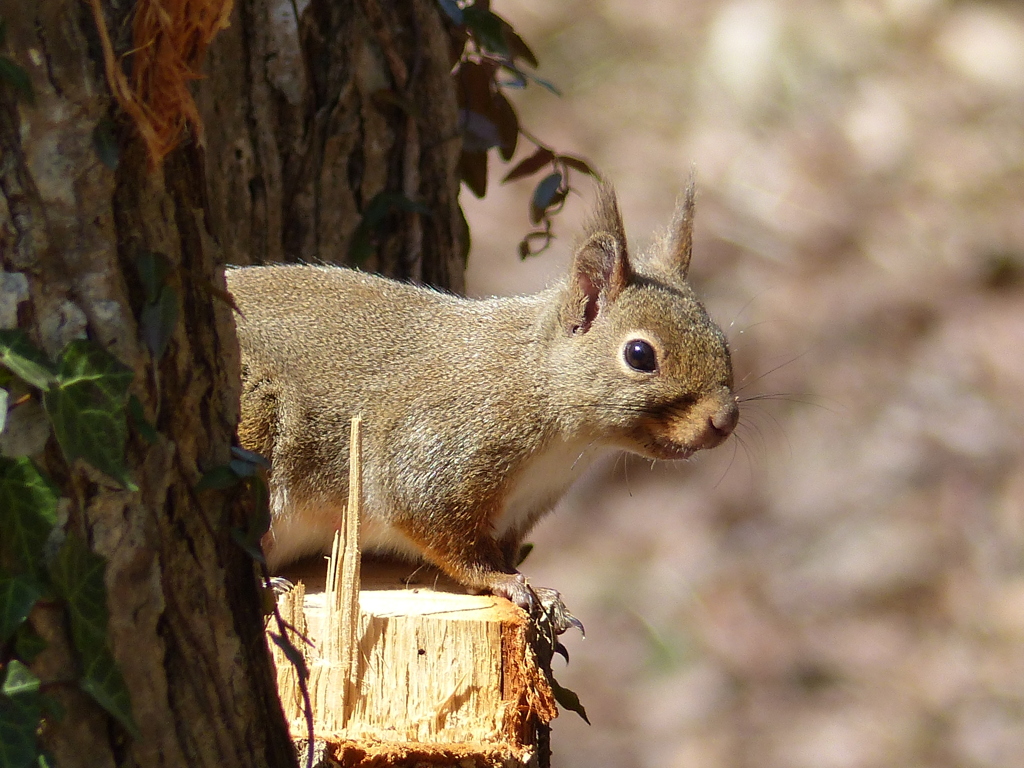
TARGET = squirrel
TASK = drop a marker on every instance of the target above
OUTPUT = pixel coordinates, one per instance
(478, 414)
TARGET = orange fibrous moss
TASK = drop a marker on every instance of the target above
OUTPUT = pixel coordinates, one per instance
(169, 41)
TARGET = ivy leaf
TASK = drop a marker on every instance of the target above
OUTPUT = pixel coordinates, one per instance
(77, 575)
(473, 171)
(218, 478)
(28, 644)
(578, 164)
(544, 195)
(250, 456)
(530, 165)
(568, 699)
(157, 321)
(20, 712)
(18, 78)
(29, 503)
(104, 141)
(88, 408)
(146, 430)
(487, 29)
(26, 361)
(17, 596)
(154, 269)
(452, 10)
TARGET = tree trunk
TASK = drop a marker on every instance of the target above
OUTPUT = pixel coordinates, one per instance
(308, 122)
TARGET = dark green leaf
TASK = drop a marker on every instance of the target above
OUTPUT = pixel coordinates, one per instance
(22, 358)
(578, 164)
(507, 122)
(18, 78)
(77, 575)
(524, 552)
(104, 141)
(27, 644)
(146, 430)
(242, 468)
(218, 478)
(88, 408)
(479, 133)
(250, 456)
(568, 699)
(157, 321)
(451, 8)
(20, 713)
(473, 171)
(530, 165)
(18, 594)
(250, 537)
(518, 49)
(154, 269)
(486, 28)
(29, 503)
(544, 195)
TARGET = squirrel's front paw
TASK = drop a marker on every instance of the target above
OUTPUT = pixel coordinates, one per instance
(540, 603)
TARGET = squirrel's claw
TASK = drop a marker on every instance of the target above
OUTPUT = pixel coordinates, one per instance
(541, 603)
(555, 612)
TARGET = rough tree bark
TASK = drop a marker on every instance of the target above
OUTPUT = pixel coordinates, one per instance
(308, 120)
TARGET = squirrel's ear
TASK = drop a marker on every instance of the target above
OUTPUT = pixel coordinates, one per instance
(674, 256)
(600, 267)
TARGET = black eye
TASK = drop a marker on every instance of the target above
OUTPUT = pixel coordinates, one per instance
(640, 356)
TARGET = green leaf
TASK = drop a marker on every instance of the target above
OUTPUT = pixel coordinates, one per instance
(154, 269)
(146, 430)
(487, 29)
(218, 478)
(104, 141)
(88, 408)
(18, 594)
(250, 456)
(578, 164)
(20, 713)
(5, 398)
(568, 699)
(18, 78)
(530, 165)
(524, 552)
(26, 361)
(19, 680)
(544, 195)
(158, 319)
(29, 503)
(28, 644)
(451, 8)
(473, 171)
(77, 575)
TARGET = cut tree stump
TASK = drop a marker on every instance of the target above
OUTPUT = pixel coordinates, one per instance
(404, 667)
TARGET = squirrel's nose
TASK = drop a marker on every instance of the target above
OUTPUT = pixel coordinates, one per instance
(720, 425)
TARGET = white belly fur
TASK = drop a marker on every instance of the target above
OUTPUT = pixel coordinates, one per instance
(543, 481)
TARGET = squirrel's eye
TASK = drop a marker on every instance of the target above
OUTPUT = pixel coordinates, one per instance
(640, 356)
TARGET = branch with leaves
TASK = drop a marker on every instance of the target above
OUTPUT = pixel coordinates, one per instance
(491, 58)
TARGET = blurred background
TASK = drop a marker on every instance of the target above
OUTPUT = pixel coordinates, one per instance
(841, 585)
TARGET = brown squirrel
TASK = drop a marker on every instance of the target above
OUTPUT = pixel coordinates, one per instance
(478, 414)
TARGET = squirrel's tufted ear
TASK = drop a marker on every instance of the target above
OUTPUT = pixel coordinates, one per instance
(600, 267)
(674, 255)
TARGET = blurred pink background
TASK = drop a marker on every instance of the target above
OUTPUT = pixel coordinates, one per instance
(841, 585)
